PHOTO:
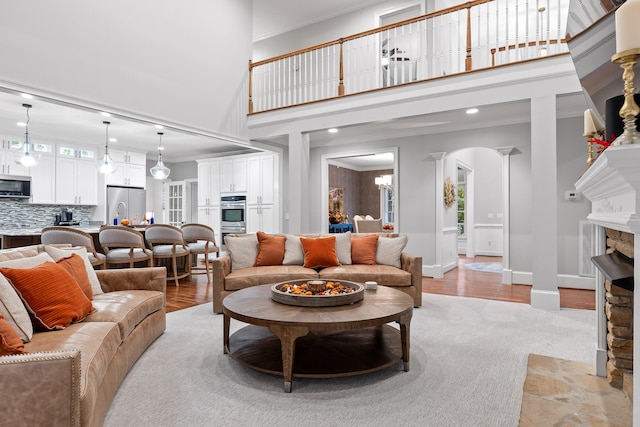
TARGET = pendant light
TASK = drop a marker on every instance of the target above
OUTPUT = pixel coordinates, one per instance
(26, 157)
(160, 171)
(106, 164)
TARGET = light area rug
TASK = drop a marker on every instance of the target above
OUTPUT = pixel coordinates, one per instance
(485, 267)
(468, 366)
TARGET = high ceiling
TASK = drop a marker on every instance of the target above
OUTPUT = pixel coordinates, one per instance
(52, 121)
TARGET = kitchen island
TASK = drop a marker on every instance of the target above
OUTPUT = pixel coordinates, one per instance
(16, 237)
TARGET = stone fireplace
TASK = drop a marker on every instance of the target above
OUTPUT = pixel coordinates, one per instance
(612, 184)
(617, 267)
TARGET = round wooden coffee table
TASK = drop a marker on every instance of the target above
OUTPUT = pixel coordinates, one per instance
(318, 342)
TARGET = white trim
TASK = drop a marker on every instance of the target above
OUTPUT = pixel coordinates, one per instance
(569, 281)
(380, 14)
(449, 230)
(547, 300)
(434, 271)
(489, 253)
(507, 277)
(488, 226)
(324, 180)
(450, 266)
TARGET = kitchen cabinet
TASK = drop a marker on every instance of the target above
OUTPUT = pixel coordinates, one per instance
(131, 170)
(209, 183)
(261, 218)
(262, 185)
(43, 180)
(210, 216)
(233, 175)
(11, 146)
(76, 176)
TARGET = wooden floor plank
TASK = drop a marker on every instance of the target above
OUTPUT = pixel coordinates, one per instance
(457, 282)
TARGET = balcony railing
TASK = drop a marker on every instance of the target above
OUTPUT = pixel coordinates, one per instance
(472, 36)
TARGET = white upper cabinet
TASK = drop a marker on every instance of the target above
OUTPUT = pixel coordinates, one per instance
(209, 183)
(76, 177)
(262, 186)
(11, 147)
(131, 170)
(233, 175)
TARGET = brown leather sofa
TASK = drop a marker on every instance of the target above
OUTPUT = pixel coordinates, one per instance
(70, 376)
(408, 278)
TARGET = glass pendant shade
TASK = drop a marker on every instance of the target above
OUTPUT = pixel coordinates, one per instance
(26, 158)
(160, 171)
(106, 165)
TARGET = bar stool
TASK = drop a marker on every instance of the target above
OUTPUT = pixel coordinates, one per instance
(201, 239)
(55, 235)
(167, 242)
(124, 245)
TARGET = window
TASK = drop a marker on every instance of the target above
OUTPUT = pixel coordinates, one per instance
(387, 198)
(462, 187)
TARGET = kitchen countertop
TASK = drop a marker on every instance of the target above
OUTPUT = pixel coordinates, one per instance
(18, 231)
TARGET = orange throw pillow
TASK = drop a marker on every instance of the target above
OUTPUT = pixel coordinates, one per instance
(270, 249)
(10, 342)
(52, 296)
(363, 250)
(76, 267)
(320, 252)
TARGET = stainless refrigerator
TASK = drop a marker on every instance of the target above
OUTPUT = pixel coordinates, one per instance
(126, 203)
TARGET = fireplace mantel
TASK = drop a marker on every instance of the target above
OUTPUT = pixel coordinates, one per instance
(612, 184)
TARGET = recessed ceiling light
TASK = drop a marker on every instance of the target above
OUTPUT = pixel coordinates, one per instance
(332, 130)
(113, 140)
(105, 114)
(159, 127)
(21, 124)
(26, 95)
(472, 111)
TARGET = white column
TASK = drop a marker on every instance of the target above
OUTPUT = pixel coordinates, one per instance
(506, 209)
(544, 209)
(438, 272)
(298, 199)
(601, 316)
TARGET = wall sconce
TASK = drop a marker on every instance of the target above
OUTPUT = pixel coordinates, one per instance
(384, 181)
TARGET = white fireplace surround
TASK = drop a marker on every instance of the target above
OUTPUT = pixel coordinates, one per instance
(612, 184)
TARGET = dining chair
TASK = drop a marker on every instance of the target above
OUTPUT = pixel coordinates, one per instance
(55, 235)
(201, 240)
(124, 245)
(166, 242)
(368, 225)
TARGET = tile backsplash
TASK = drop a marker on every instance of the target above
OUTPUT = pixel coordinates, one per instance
(18, 214)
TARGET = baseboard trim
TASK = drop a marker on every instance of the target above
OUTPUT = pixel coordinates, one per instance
(570, 281)
(546, 300)
(434, 271)
(507, 277)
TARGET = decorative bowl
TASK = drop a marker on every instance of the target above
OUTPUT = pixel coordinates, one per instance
(281, 294)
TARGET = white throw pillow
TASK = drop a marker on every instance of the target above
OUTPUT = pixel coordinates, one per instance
(293, 252)
(389, 250)
(243, 250)
(343, 247)
(57, 253)
(29, 262)
(14, 311)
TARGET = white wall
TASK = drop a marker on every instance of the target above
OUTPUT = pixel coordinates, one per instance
(322, 32)
(171, 61)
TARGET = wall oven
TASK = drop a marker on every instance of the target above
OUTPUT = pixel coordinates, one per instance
(233, 210)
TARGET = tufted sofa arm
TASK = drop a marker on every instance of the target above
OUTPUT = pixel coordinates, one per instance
(413, 265)
(125, 279)
(221, 269)
(48, 380)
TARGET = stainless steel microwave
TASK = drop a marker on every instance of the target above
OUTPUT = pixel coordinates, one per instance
(14, 186)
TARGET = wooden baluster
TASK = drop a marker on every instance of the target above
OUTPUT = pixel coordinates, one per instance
(250, 87)
(341, 83)
(468, 58)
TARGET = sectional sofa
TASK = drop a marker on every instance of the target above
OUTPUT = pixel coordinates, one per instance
(244, 266)
(67, 375)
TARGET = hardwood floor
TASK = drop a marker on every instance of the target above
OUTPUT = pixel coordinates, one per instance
(457, 282)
